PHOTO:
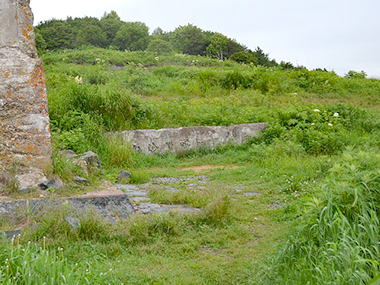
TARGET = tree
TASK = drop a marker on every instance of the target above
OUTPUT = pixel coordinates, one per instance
(222, 47)
(111, 15)
(57, 34)
(190, 40)
(244, 57)
(159, 46)
(110, 24)
(159, 33)
(356, 75)
(92, 35)
(40, 41)
(132, 36)
(263, 58)
(286, 65)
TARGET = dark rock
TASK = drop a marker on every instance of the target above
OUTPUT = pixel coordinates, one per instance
(73, 222)
(81, 180)
(55, 183)
(123, 175)
(12, 234)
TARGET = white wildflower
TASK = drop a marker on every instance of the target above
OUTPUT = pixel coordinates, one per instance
(316, 110)
(330, 125)
(156, 58)
(79, 79)
(336, 115)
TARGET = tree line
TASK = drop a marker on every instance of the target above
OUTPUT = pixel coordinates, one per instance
(111, 32)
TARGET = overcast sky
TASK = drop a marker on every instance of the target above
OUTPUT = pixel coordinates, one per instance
(339, 35)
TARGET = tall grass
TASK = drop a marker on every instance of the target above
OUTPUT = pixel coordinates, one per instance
(32, 264)
(337, 239)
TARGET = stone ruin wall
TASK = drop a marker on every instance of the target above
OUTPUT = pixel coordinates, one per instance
(24, 119)
(180, 140)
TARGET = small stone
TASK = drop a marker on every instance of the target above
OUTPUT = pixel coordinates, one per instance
(237, 188)
(92, 159)
(275, 206)
(89, 161)
(55, 183)
(123, 175)
(68, 154)
(81, 180)
(73, 222)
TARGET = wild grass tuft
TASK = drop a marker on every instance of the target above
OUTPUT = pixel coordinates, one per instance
(337, 239)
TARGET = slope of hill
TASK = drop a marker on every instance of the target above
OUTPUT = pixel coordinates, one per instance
(298, 204)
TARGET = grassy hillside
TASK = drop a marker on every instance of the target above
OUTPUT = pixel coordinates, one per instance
(317, 160)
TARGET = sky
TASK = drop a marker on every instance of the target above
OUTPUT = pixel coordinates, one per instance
(339, 35)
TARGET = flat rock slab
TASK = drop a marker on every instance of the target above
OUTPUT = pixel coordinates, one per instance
(147, 208)
(251, 194)
(112, 207)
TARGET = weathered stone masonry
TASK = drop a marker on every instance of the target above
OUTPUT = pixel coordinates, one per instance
(24, 119)
(189, 138)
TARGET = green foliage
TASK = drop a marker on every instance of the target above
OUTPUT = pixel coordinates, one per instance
(222, 47)
(244, 57)
(190, 39)
(40, 42)
(93, 35)
(57, 34)
(159, 46)
(263, 58)
(355, 74)
(132, 36)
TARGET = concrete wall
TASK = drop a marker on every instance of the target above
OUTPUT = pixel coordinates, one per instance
(24, 120)
(189, 138)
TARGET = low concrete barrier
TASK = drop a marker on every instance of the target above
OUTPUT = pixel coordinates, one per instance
(189, 138)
